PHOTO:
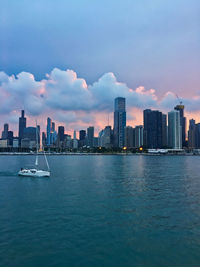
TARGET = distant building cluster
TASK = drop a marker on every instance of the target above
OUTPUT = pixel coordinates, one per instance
(158, 131)
(26, 138)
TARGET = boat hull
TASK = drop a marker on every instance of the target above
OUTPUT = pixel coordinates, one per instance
(33, 173)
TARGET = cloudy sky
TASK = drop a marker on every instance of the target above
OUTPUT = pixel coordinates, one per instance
(69, 59)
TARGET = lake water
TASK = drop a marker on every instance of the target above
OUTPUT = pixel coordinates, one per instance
(101, 211)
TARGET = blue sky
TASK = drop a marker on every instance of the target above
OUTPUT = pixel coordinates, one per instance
(151, 43)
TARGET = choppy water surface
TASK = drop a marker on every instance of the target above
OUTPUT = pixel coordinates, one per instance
(101, 211)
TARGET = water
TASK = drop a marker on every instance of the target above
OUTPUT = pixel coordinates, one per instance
(101, 211)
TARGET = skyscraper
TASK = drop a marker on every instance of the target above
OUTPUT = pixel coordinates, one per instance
(119, 121)
(139, 136)
(152, 128)
(82, 138)
(53, 134)
(164, 130)
(197, 135)
(105, 137)
(10, 138)
(53, 126)
(192, 134)
(90, 136)
(48, 131)
(174, 130)
(38, 136)
(5, 131)
(43, 139)
(22, 126)
(74, 141)
(61, 133)
(30, 133)
(74, 134)
(180, 108)
(82, 135)
(128, 137)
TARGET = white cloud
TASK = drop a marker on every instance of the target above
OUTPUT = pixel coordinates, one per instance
(70, 99)
(170, 100)
(20, 92)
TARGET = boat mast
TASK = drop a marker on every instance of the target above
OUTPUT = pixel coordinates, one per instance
(36, 160)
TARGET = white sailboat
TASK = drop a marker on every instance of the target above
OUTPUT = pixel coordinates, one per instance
(35, 172)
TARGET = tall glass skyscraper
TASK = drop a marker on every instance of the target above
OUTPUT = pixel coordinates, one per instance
(53, 127)
(5, 131)
(153, 128)
(139, 136)
(22, 126)
(164, 131)
(129, 137)
(82, 138)
(119, 121)
(61, 133)
(90, 136)
(48, 131)
(192, 134)
(82, 135)
(174, 130)
(180, 108)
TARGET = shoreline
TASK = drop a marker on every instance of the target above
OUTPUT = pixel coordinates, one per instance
(94, 154)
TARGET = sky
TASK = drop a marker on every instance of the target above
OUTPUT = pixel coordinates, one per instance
(70, 59)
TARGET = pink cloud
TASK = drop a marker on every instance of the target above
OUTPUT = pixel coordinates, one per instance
(71, 102)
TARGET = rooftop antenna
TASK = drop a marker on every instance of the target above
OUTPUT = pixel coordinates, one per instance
(180, 101)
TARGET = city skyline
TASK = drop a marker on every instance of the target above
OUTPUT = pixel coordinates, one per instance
(154, 133)
(99, 133)
(83, 118)
(78, 56)
(73, 121)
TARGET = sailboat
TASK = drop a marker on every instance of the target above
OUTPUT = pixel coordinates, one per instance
(35, 172)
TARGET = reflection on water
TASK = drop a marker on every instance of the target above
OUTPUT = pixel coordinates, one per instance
(101, 210)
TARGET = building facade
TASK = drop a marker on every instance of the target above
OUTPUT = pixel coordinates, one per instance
(48, 131)
(192, 134)
(129, 141)
(82, 138)
(139, 137)
(90, 136)
(180, 108)
(174, 130)
(5, 131)
(22, 126)
(105, 137)
(61, 133)
(119, 121)
(152, 128)
(164, 131)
